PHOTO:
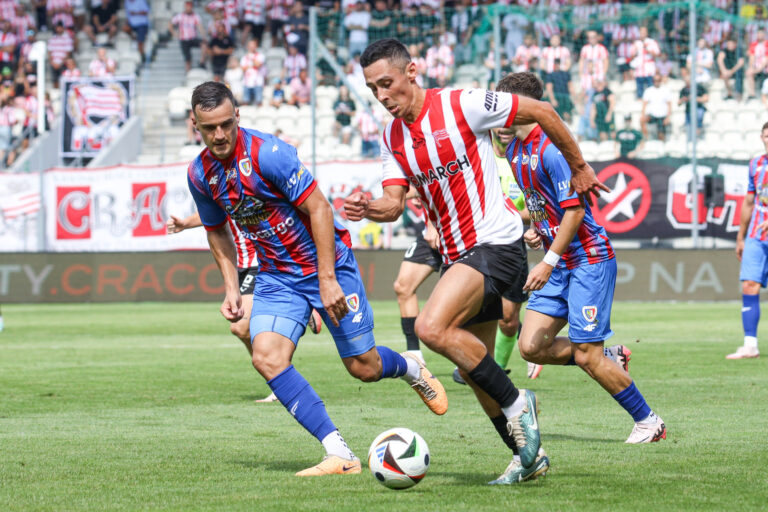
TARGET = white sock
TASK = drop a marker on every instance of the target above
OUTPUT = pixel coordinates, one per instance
(516, 458)
(651, 418)
(413, 372)
(516, 408)
(334, 444)
(417, 353)
(750, 341)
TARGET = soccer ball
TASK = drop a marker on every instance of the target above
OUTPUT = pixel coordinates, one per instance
(398, 458)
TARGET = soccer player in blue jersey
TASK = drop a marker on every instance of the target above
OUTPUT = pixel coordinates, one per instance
(752, 250)
(305, 261)
(574, 283)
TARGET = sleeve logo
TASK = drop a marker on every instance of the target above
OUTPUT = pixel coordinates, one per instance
(491, 101)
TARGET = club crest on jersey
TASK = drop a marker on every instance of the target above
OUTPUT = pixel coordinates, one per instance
(589, 313)
(440, 135)
(534, 162)
(762, 195)
(353, 301)
(535, 204)
(248, 211)
(245, 167)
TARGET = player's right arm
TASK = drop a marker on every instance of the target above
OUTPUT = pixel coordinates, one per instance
(569, 225)
(390, 206)
(176, 225)
(222, 247)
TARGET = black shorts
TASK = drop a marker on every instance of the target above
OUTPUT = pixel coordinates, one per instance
(247, 278)
(502, 266)
(186, 48)
(420, 252)
(515, 292)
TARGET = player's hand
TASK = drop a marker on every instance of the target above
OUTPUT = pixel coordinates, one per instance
(739, 248)
(174, 225)
(585, 183)
(356, 206)
(538, 277)
(333, 299)
(431, 236)
(232, 307)
(763, 226)
(532, 239)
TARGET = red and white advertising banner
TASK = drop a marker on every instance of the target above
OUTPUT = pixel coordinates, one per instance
(123, 208)
(20, 213)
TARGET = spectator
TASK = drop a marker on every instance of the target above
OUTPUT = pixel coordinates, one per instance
(228, 9)
(193, 136)
(705, 59)
(602, 114)
(103, 21)
(764, 93)
(137, 23)
(41, 13)
(294, 62)
(344, 108)
(7, 122)
(21, 23)
(301, 89)
(623, 39)
(357, 22)
(278, 16)
(70, 69)
(367, 125)
(30, 109)
(188, 28)
(525, 53)
(426, 23)
(420, 63)
(221, 47)
(701, 102)
(382, 22)
(664, 67)
(515, 25)
(657, 109)
(254, 74)
(439, 64)
(555, 57)
(219, 18)
(254, 16)
(297, 28)
(595, 54)
(757, 68)
(558, 89)
(464, 22)
(60, 11)
(278, 94)
(731, 65)
(233, 77)
(60, 46)
(8, 41)
(644, 52)
(628, 140)
(102, 66)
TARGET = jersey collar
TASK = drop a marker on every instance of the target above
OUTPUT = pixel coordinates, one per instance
(430, 93)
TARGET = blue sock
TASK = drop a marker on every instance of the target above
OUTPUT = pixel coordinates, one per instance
(392, 363)
(632, 400)
(750, 314)
(296, 395)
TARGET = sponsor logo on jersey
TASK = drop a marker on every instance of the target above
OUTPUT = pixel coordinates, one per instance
(353, 301)
(248, 211)
(440, 172)
(491, 101)
(535, 203)
(245, 167)
(589, 313)
(294, 179)
(279, 229)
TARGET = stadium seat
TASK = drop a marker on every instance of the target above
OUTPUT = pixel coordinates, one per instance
(747, 118)
(606, 150)
(653, 149)
(676, 148)
(178, 102)
(189, 152)
(196, 76)
(589, 149)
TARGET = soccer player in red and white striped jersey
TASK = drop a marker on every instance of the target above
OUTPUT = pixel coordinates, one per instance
(439, 143)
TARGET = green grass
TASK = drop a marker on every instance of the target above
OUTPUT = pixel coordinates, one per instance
(150, 407)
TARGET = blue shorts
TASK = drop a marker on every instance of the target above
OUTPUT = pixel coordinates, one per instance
(583, 295)
(283, 302)
(754, 262)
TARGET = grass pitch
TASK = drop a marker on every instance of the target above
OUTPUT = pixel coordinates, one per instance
(151, 407)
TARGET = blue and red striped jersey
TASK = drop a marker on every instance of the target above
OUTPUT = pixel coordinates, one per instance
(758, 185)
(260, 187)
(544, 175)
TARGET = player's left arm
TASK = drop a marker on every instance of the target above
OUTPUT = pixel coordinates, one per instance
(320, 214)
(539, 275)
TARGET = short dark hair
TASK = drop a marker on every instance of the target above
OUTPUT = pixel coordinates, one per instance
(525, 84)
(765, 127)
(391, 49)
(210, 95)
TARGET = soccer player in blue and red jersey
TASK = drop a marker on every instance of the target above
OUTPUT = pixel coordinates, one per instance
(305, 261)
(574, 283)
(752, 250)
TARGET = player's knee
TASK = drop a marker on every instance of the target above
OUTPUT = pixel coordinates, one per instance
(750, 287)
(241, 330)
(588, 360)
(429, 331)
(509, 327)
(364, 372)
(267, 365)
(528, 351)
(402, 290)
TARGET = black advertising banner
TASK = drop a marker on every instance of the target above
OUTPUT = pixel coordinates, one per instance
(651, 199)
(94, 109)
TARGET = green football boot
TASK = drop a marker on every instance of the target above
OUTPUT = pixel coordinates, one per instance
(516, 473)
(524, 429)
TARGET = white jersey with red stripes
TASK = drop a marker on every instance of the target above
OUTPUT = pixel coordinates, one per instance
(447, 156)
(597, 55)
(7, 39)
(550, 53)
(187, 25)
(244, 247)
(645, 52)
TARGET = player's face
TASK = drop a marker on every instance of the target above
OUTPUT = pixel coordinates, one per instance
(218, 128)
(504, 136)
(392, 86)
(764, 137)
